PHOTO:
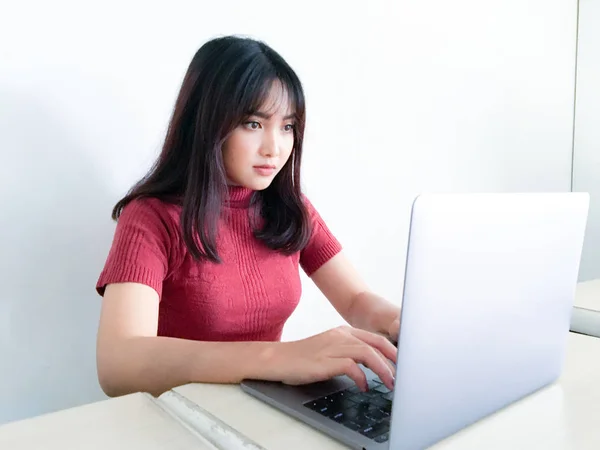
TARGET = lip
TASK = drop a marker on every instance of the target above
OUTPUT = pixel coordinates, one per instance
(265, 169)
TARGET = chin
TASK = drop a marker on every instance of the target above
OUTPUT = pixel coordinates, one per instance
(257, 183)
(260, 185)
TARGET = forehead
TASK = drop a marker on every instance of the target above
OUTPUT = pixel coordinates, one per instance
(277, 101)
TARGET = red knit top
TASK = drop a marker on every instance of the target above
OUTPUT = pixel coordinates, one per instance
(248, 296)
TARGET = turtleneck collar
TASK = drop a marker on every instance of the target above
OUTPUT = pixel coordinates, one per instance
(239, 197)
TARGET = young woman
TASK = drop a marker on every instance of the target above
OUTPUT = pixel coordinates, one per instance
(203, 271)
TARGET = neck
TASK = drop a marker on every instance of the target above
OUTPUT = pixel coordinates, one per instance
(239, 196)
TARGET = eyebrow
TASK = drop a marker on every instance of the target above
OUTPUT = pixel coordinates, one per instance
(266, 116)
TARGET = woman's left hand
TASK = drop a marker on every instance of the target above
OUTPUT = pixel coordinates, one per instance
(394, 329)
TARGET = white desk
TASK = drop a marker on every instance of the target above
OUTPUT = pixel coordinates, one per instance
(565, 416)
(131, 422)
(586, 314)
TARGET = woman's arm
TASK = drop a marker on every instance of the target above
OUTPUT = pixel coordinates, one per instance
(339, 281)
(131, 358)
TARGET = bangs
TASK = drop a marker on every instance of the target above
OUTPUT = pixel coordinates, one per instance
(268, 92)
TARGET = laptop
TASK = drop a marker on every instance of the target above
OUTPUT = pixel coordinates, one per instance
(488, 292)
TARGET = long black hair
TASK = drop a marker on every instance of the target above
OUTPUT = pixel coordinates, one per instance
(228, 79)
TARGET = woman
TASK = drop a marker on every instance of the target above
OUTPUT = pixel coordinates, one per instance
(203, 271)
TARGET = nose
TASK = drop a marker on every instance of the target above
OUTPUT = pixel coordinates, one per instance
(271, 145)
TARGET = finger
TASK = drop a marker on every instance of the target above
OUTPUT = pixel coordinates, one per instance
(348, 367)
(367, 355)
(388, 362)
(394, 330)
(379, 342)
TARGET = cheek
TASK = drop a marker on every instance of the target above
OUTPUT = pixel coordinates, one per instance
(289, 146)
(235, 152)
(233, 162)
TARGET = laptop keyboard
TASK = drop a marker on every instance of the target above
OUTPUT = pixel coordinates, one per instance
(365, 412)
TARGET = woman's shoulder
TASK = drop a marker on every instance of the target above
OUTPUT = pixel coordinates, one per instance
(153, 220)
(151, 209)
(146, 245)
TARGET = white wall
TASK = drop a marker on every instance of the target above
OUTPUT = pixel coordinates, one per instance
(586, 162)
(403, 97)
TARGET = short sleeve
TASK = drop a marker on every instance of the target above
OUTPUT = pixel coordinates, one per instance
(322, 245)
(140, 248)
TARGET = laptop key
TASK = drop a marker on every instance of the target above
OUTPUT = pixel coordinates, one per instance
(352, 425)
(315, 406)
(375, 414)
(365, 421)
(355, 398)
(352, 413)
(332, 399)
(349, 415)
(361, 398)
(342, 402)
(381, 402)
(387, 408)
(338, 395)
(350, 419)
(322, 406)
(338, 416)
(325, 410)
(375, 430)
(382, 389)
(372, 384)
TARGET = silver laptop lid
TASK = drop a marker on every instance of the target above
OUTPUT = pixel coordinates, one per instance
(489, 287)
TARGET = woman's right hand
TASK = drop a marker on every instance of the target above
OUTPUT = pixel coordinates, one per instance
(337, 352)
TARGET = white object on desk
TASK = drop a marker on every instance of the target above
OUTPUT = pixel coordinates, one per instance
(130, 422)
(588, 295)
(586, 314)
(217, 432)
(563, 416)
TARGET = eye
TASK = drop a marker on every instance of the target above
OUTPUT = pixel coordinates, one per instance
(289, 127)
(252, 125)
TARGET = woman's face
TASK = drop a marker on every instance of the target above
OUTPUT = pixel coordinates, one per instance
(257, 149)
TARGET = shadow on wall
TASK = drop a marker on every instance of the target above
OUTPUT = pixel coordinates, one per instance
(55, 232)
